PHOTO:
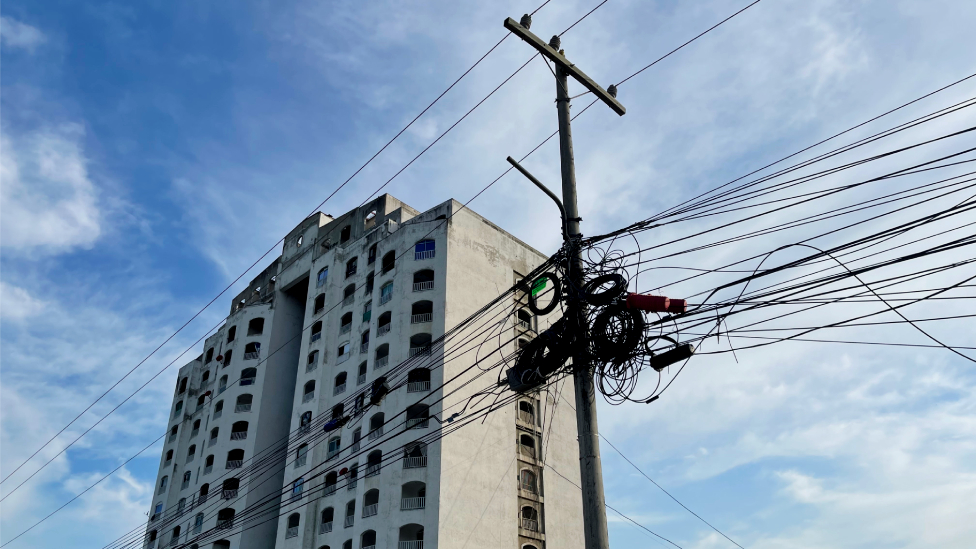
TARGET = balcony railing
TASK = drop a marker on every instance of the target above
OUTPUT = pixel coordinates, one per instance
(423, 286)
(361, 379)
(418, 386)
(414, 462)
(421, 318)
(315, 337)
(228, 494)
(523, 324)
(235, 463)
(417, 423)
(197, 528)
(311, 366)
(384, 329)
(329, 489)
(526, 417)
(418, 351)
(325, 527)
(426, 254)
(300, 461)
(370, 510)
(202, 499)
(355, 447)
(350, 520)
(528, 487)
(190, 457)
(372, 470)
(343, 357)
(527, 451)
(375, 433)
(291, 532)
(168, 462)
(185, 485)
(418, 544)
(238, 435)
(252, 355)
(218, 413)
(247, 381)
(194, 432)
(530, 524)
(364, 347)
(332, 454)
(339, 389)
(307, 397)
(348, 300)
(175, 541)
(225, 524)
(242, 408)
(385, 297)
(207, 469)
(172, 437)
(408, 504)
(381, 362)
(151, 544)
(345, 328)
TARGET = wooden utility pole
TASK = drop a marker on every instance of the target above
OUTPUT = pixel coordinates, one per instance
(591, 472)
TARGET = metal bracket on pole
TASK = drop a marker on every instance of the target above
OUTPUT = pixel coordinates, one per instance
(530, 177)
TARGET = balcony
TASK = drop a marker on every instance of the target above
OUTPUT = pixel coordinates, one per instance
(421, 318)
(417, 423)
(381, 362)
(342, 358)
(315, 337)
(526, 417)
(370, 510)
(418, 544)
(207, 469)
(418, 387)
(235, 463)
(252, 355)
(373, 470)
(225, 524)
(348, 300)
(423, 286)
(329, 489)
(350, 520)
(228, 494)
(361, 379)
(240, 408)
(307, 397)
(300, 461)
(526, 451)
(385, 297)
(530, 524)
(218, 413)
(239, 435)
(426, 254)
(325, 527)
(383, 330)
(375, 433)
(420, 351)
(414, 462)
(409, 504)
(291, 532)
(364, 347)
(351, 485)
(345, 328)
(311, 367)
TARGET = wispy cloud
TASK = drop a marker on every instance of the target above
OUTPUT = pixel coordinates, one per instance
(17, 35)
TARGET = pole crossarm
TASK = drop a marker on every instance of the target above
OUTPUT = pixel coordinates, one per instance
(547, 50)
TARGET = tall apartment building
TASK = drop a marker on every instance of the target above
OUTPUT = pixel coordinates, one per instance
(353, 302)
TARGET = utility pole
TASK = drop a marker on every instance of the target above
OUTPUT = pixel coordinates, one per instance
(591, 471)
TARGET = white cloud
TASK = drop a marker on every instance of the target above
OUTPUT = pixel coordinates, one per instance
(15, 34)
(49, 202)
(16, 303)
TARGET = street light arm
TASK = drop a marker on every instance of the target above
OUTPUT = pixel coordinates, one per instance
(559, 203)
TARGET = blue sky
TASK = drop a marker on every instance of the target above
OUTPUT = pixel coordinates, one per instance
(151, 151)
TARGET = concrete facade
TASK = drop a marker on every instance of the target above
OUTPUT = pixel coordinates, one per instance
(353, 301)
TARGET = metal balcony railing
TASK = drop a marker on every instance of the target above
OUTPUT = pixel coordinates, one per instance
(318, 310)
(315, 337)
(418, 386)
(291, 532)
(175, 541)
(345, 328)
(351, 485)
(369, 547)
(343, 358)
(242, 408)
(409, 504)
(307, 397)
(247, 381)
(194, 432)
(238, 435)
(375, 433)
(325, 527)
(418, 544)
(381, 362)
(361, 379)
(349, 521)
(235, 463)
(355, 447)
(384, 329)
(421, 318)
(197, 528)
(172, 437)
(202, 499)
(207, 469)
(527, 451)
(218, 413)
(300, 461)
(228, 494)
(339, 389)
(423, 286)
(348, 300)
(311, 366)
(329, 489)
(417, 423)
(225, 524)
(426, 254)
(185, 485)
(526, 417)
(530, 524)
(372, 470)
(151, 544)
(414, 462)
(364, 347)
(168, 462)
(190, 457)
(420, 351)
(332, 454)
(385, 297)
(370, 510)
(252, 356)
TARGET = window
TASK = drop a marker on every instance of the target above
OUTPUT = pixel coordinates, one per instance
(530, 518)
(411, 532)
(418, 380)
(367, 311)
(322, 277)
(334, 445)
(225, 520)
(526, 445)
(204, 491)
(415, 455)
(364, 342)
(371, 255)
(191, 453)
(198, 523)
(172, 433)
(297, 487)
(373, 463)
(345, 323)
(370, 279)
(169, 456)
(183, 382)
(178, 409)
(383, 324)
(422, 312)
(316, 332)
(368, 540)
(389, 261)
(162, 483)
(328, 514)
(243, 403)
(205, 377)
(420, 344)
(252, 351)
(370, 220)
(235, 459)
(200, 403)
(523, 319)
(423, 280)
(527, 481)
(371, 501)
(210, 354)
(338, 410)
(218, 409)
(417, 415)
(319, 304)
(208, 463)
(186, 480)
(305, 420)
(231, 333)
(299, 240)
(351, 266)
(294, 520)
(226, 361)
(340, 383)
(330, 482)
(301, 455)
(313, 357)
(347, 544)
(382, 356)
(386, 292)
(526, 412)
(309, 392)
(238, 430)
(423, 250)
(376, 425)
(176, 536)
(255, 326)
(362, 374)
(248, 375)
(222, 384)
(343, 350)
(345, 234)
